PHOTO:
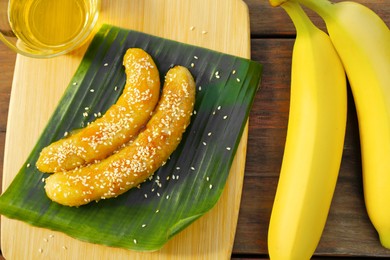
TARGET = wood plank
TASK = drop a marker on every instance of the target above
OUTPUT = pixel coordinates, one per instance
(270, 21)
(6, 74)
(38, 85)
(348, 231)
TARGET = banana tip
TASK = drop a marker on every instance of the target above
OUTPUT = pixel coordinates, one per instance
(385, 241)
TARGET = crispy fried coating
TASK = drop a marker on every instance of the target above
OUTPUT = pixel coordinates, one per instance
(136, 162)
(121, 123)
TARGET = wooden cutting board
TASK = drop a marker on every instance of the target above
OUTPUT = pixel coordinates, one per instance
(221, 25)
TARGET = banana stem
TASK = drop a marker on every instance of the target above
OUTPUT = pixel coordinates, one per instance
(323, 7)
(300, 19)
(276, 3)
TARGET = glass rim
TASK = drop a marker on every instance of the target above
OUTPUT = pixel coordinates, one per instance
(76, 42)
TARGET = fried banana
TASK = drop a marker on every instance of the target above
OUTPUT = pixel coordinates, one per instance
(136, 162)
(121, 123)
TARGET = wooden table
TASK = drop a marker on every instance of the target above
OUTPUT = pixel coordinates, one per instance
(348, 231)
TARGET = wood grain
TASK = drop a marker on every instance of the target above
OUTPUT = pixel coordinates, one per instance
(268, 21)
(6, 74)
(38, 85)
(348, 233)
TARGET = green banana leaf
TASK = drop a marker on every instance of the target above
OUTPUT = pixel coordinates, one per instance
(182, 190)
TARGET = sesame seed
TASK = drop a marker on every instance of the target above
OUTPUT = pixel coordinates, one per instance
(92, 90)
(193, 168)
(228, 148)
(219, 108)
(207, 178)
(146, 196)
(195, 57)
(234, 72)
(200, 88)
(116, 88)
(43, 179)
(157, 210)
(192, 28)
(28, 165)
(225, 117)
(238, 80)
(204, 32)
(209, 134)
(143, 225)
(204, 143)
(45, 239)
(135, 241)
(74, 83)
(110, 178)
(51, 236)
(211, 186)
(192, 65)
(40, 250)
(64, 247)
(105, 64)
(177, 168)
(66, 134)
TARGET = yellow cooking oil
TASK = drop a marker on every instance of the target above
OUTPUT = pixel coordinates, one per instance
(50, 24)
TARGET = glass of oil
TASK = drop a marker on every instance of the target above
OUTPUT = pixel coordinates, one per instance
(47, 28)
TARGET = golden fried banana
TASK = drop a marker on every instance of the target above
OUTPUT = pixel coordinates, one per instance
(117, 126)
(139, 160)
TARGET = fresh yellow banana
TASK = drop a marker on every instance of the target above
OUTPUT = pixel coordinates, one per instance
(314, 142)
(362, 40)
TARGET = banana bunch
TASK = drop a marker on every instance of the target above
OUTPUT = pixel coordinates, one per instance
(362, 41)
